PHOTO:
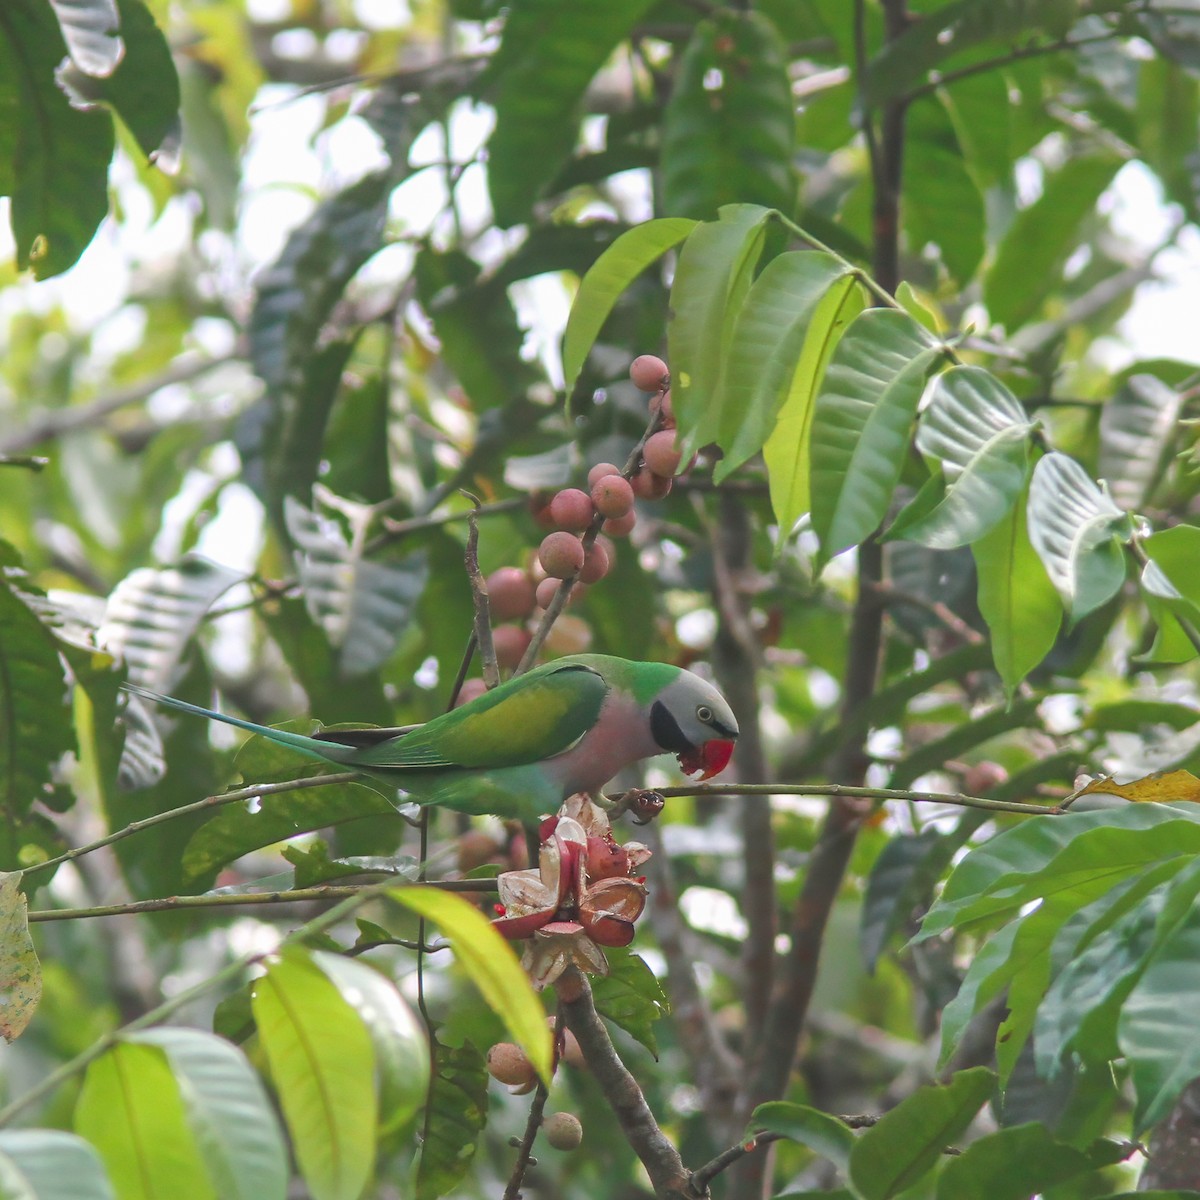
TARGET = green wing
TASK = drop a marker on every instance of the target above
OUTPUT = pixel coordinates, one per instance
(525, 720)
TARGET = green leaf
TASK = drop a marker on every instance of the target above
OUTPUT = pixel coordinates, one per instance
(546, 60)
(1155, 1035)
(1171, 589)
(1046, 855)
(942, 204)
(631, 997)
(52, 1165)
(821, 1133)
(787, 451)
(954, 28)
(35, 729)
(906, 1142)
(1016, 598)
(323, 1067)
(362, 604)
(712, 278)
(901, 877)
(144, 89)
(131, 1110)
(767, 350)
(401, 1046)
(20, 971)
(240, 828)
(1029, 259)
(860, 430)
(152, 614)
(90, 29)
(60, 156)
(492, 966)
(228, 1112)
(1013, 1163)
(607, 278)
(1077, 532)
(457, 1113)
(729, 127)
(1101, 967)
(476, 324)
(1136, 430)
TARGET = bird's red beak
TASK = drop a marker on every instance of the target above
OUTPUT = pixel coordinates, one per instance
(710, 759)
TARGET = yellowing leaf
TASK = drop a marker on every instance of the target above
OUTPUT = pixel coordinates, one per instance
(20, 971)
(1163, 787)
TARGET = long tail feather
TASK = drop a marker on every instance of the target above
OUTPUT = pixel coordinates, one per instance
(326, 751)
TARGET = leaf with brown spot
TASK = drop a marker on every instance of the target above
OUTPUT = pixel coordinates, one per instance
(1163, 787)
(20, 971)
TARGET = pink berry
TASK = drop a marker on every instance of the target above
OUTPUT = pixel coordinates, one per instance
(471, 689)
(612, 496)
(648, 372)
(663, 407)
(508, 1063)
(572, 509)
(510, 592)
(620, 526)
(600, 470)
(510, 642)
(649, 486)
(570, 635)
(561, 554)
(660, 453)
(549, 587)
(539, 509)
(596, 564)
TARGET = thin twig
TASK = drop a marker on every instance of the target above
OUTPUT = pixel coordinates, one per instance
(242, 794)
(848, 792)
(525, 1150)
(395, 529)
(66, 420)
(479, 597)
(236, 899)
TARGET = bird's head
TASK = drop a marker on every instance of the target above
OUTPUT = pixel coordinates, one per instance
(691, 719)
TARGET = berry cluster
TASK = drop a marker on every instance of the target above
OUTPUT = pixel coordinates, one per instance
(582, 524)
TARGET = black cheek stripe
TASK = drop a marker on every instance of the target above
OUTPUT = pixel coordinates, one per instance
(665, 730)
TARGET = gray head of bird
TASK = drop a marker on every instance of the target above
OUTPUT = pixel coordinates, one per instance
(691, 720)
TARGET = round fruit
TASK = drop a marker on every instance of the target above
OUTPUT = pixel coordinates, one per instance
(561, 554)
(510, 643)
(572, 509)
(510, 593)
(662, 406)
(563, 1131)
(539, 509)
(596, 563)
(612, 496)
(570, 635)
(600, 470)
(549, 587)
(508, 1063)
(620, 526)
(660, 453)
(649, 486)
(649, 373)
(569, 1051)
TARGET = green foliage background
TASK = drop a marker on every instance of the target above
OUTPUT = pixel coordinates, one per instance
(878, 342)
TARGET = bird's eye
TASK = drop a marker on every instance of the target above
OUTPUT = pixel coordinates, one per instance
(704, 713)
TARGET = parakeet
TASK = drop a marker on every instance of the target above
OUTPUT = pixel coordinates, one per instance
(521, 749)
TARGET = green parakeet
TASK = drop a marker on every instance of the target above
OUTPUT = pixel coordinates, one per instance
(521, 749)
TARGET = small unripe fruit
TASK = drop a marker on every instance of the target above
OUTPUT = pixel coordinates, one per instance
(510, 594)
(561, 554)
(600, 470)
(510, 642)
(612, 496)
(596, 563)
(572, 510)
(620, 526)
(563, 1131)
(648, 486)
(471, 689)
(648, 372)
(508, 1063)
(660, 453)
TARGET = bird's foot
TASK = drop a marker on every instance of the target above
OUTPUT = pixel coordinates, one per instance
(643, 803)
